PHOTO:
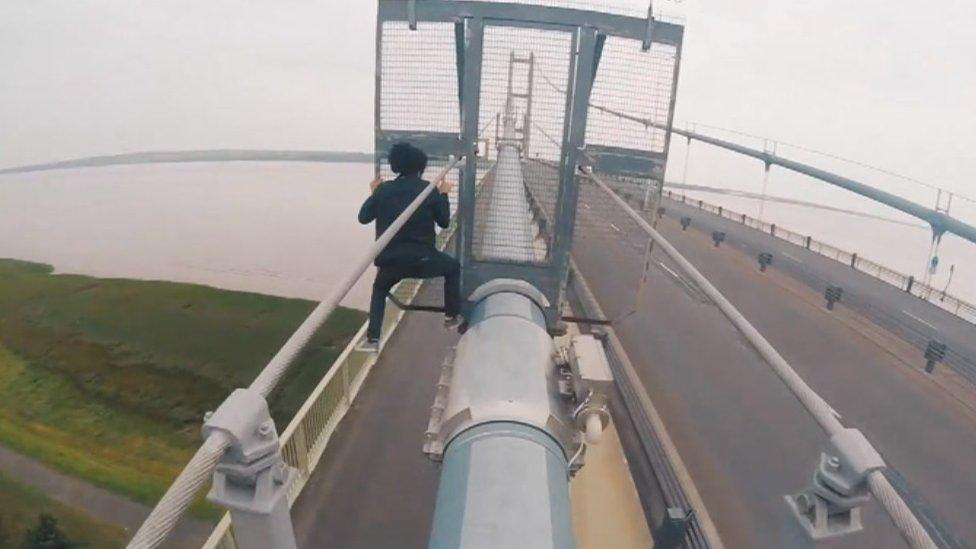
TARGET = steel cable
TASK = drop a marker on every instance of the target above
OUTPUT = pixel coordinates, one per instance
(198, 470)
(906, 522)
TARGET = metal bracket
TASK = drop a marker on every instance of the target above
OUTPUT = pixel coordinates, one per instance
(592, 381)
(649, 33)
(433, 443)
(412, 14)
(670, 533)
(830, 506)
(251, 479)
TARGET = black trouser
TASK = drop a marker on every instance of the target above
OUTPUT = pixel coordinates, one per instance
(431, 265)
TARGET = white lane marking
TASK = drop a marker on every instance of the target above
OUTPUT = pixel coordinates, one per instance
(670, 270)
(798, 260)
(918, 319)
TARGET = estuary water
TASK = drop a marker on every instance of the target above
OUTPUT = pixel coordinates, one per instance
(290, 228)
(286, 229)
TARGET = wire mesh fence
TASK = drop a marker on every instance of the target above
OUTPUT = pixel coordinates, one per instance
(418, 90)
(528, 115)
(639, 83)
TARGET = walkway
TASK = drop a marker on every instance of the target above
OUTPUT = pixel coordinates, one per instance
(375, 487)
(101, 504)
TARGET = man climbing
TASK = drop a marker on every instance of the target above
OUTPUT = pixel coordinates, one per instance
(412, 252)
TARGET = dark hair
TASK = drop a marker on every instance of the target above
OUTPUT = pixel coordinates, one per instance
(405, 159)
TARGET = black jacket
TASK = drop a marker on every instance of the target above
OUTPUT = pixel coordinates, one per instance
(416, 238)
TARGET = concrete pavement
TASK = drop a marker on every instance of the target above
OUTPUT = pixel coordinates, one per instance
(374, 487)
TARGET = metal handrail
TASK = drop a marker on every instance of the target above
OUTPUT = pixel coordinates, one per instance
(305, 439)
(906, 522)
(180, 494)
(940, 298)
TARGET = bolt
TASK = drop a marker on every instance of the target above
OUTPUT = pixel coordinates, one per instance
(833, 462)
(278, 474)
(804, 502)
(207, 415)
(264, 431)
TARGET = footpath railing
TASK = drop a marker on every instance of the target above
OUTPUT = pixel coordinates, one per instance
(908, 283)
(304, 440)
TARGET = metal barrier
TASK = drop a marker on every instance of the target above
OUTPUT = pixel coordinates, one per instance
(939, 298)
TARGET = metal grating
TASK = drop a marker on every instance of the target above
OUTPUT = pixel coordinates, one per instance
(418, 89)
(419, 78)
(528, 117)
(637, 83)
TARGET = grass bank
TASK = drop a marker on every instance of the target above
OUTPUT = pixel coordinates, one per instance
(20, 506)
(108, 379)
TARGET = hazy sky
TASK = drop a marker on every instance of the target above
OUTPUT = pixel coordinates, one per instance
(884, 81)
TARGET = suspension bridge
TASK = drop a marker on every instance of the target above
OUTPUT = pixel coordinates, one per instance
(635, 363)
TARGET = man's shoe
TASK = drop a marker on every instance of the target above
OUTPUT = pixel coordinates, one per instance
(369, 345)
(451, 321)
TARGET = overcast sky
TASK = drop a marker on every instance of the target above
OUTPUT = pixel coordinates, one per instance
(888, 82)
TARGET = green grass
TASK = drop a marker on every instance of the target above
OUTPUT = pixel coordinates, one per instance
(108, 379)
(20, 506)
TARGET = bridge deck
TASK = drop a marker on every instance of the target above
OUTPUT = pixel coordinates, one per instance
(374, 487)
(745, 439)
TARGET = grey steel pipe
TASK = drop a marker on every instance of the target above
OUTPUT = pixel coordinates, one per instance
(199, 469)
(908, 525)
(505, 477)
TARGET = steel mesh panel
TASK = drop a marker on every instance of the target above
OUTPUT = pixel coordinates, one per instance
(598, 217)
(636, 83)
(528, 117)
(418, 71)
(551, 53)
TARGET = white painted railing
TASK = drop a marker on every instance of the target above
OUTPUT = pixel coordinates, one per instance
(939, 298)
(304, 440)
